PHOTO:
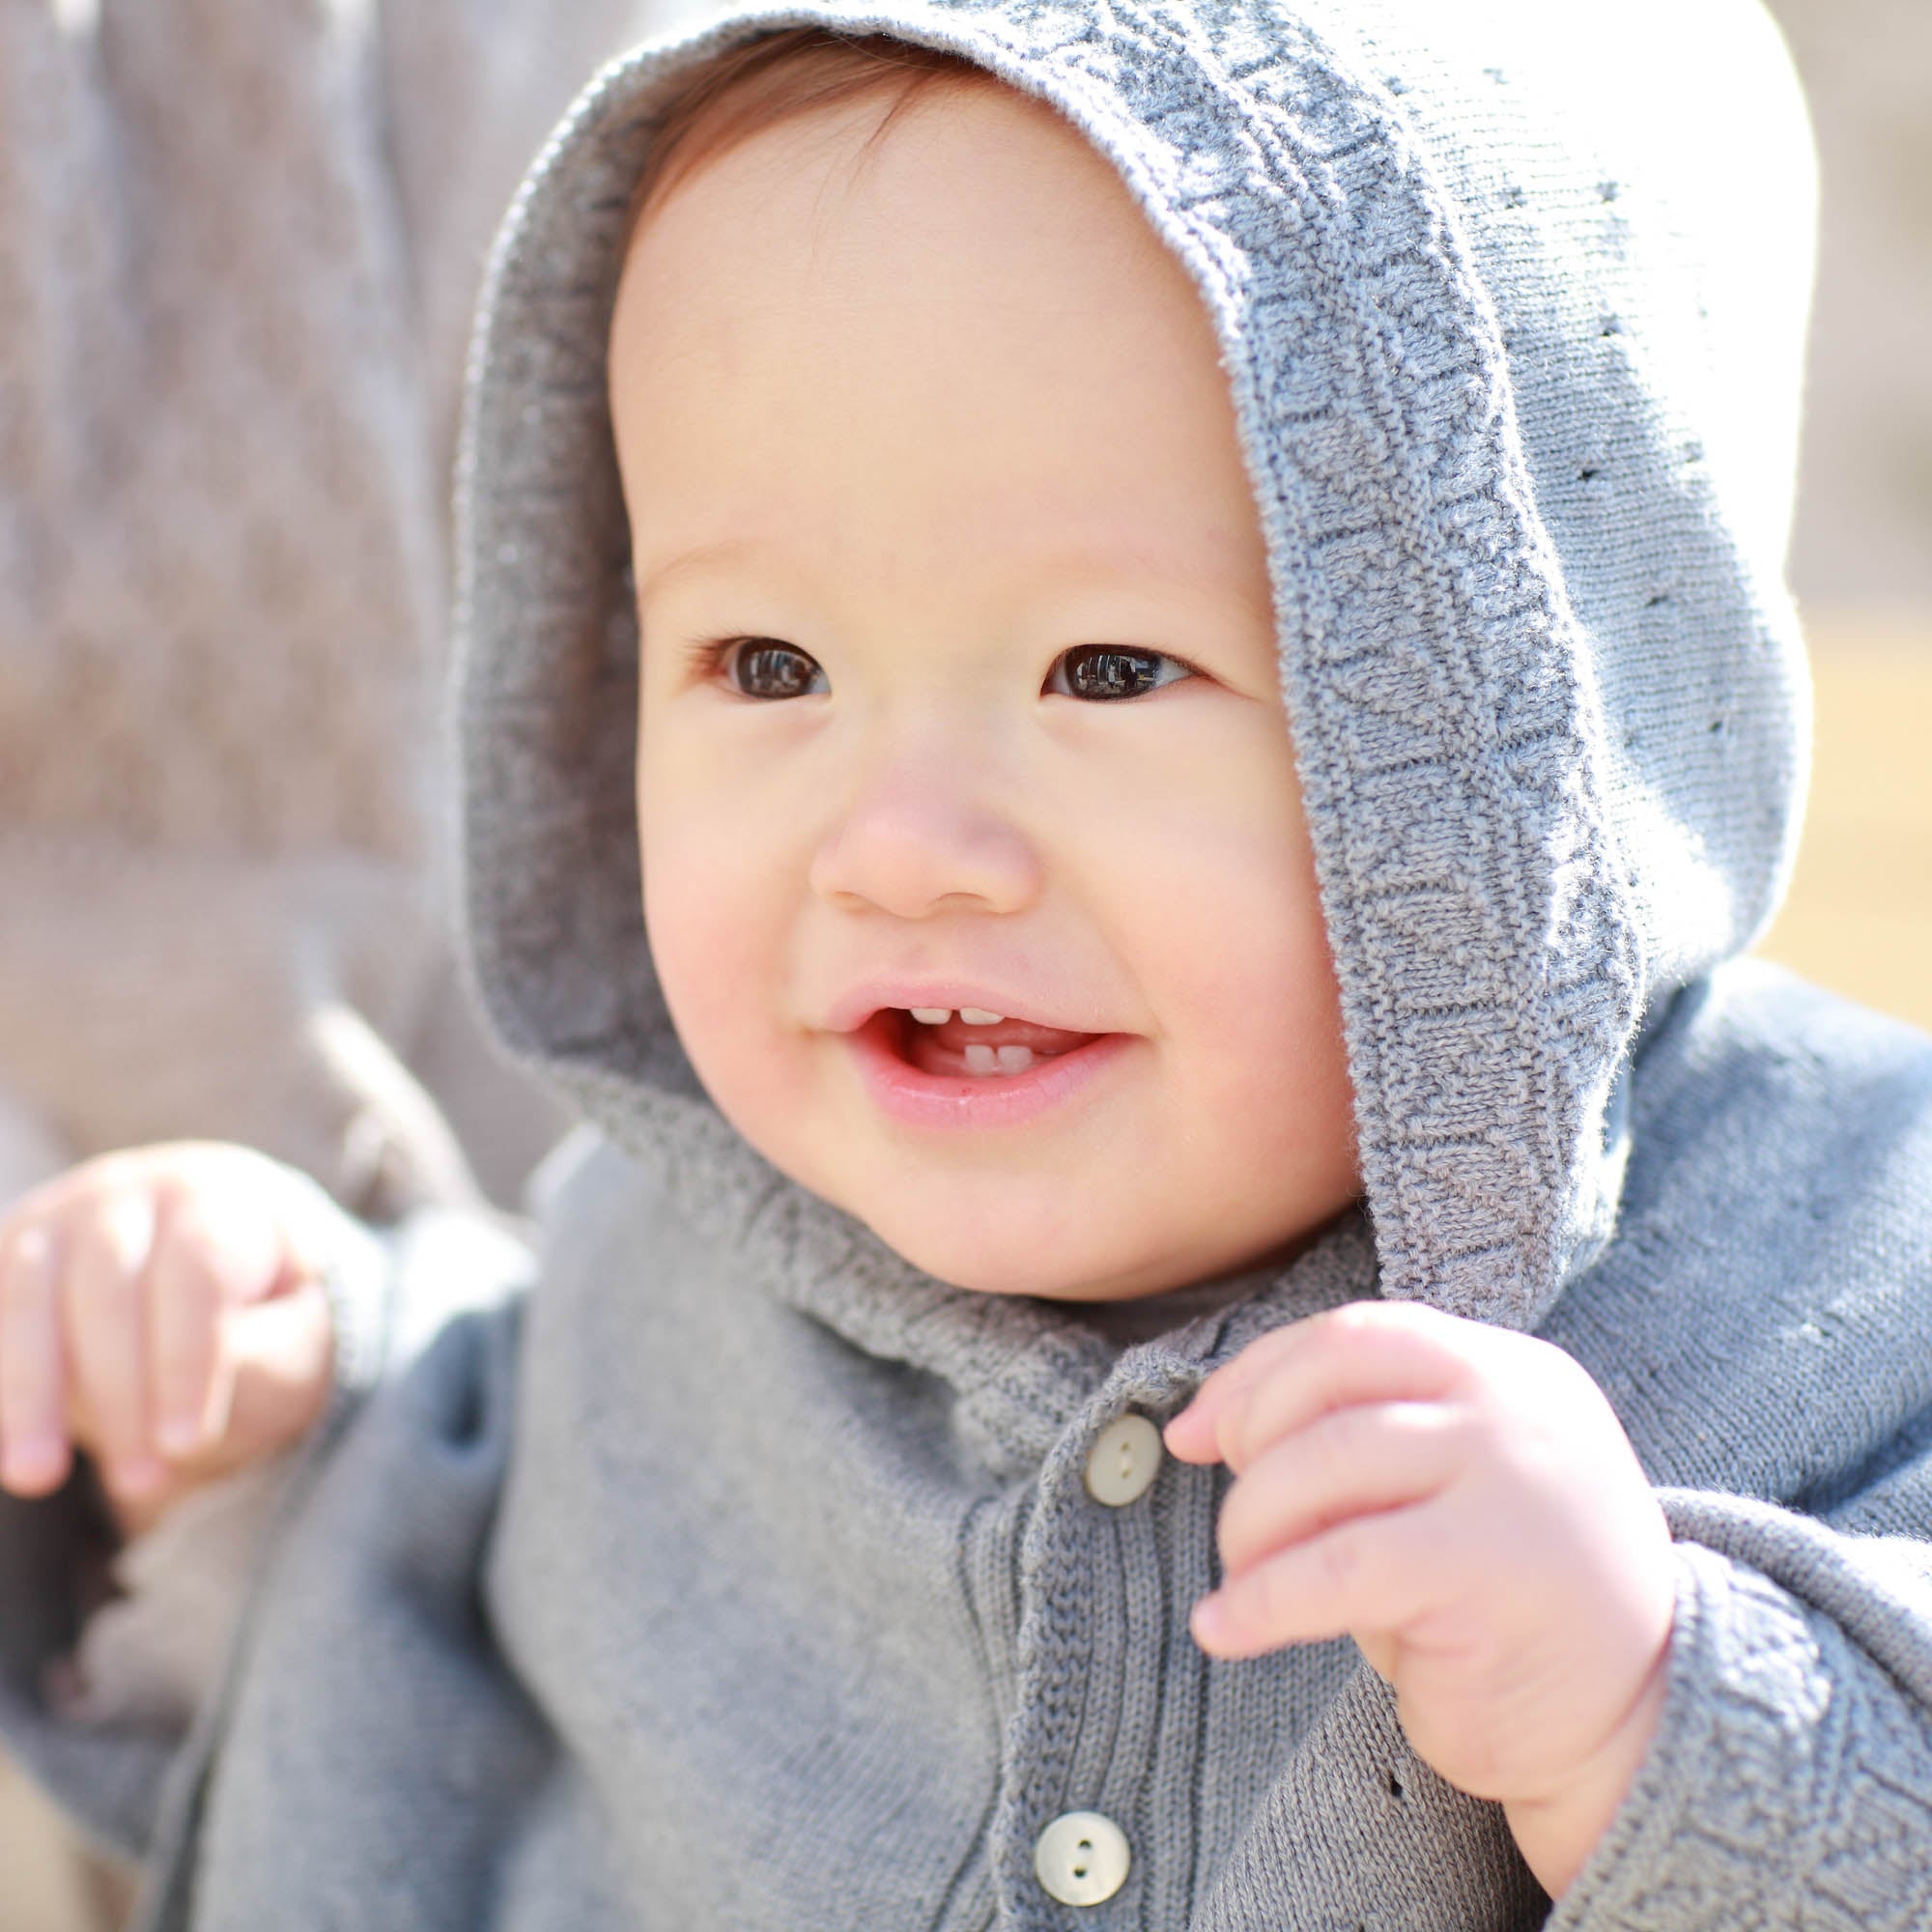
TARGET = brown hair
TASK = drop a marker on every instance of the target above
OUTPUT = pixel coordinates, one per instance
(779, 77)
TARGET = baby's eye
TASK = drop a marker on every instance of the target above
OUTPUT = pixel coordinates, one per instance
(1105, 671)
(768, 668)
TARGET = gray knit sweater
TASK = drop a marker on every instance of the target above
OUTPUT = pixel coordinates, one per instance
(739, 1577)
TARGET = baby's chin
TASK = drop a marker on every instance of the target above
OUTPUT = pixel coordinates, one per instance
(1083, 1265)
(1072, 1272)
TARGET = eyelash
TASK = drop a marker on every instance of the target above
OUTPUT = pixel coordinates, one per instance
(727, 660)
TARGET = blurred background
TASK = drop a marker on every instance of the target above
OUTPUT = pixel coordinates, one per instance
(1859, 916)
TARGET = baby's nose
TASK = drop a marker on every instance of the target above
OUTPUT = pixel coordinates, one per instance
(915, 843)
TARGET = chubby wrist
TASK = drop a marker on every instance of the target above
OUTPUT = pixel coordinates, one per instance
(1556, 1832)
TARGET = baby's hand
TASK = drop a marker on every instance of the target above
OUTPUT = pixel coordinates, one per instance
(1462, 1502)
(163, 1310)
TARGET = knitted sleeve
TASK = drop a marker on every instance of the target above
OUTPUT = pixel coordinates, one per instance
(1790, 1783)
(124, 1772)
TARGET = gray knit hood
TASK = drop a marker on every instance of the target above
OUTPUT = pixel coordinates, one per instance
(1512, 313)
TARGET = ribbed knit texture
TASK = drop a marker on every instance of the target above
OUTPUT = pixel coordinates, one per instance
(743, 1578)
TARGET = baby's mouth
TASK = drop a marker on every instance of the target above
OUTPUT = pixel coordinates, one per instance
(974, 1045)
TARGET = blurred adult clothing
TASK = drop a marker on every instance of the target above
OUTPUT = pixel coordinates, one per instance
(240, 246)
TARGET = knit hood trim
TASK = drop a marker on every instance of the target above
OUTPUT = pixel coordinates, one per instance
(1495, 934)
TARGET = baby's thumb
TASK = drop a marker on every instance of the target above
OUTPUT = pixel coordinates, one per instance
(280, 1354)
(217, 1254)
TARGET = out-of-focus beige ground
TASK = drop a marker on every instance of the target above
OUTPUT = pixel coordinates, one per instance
(1859, 918)
(44, 1885)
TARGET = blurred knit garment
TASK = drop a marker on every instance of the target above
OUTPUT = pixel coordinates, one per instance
(239, 250)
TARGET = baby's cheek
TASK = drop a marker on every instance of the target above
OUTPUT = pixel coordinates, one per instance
(1260, 1020)
(719, 953)
(698, 945)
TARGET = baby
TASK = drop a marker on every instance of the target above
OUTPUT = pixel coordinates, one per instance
(1122, 692)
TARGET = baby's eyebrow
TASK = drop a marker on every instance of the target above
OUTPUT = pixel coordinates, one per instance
(1086, 565)
(1085, 568)
(700, 557)
(1081, 565)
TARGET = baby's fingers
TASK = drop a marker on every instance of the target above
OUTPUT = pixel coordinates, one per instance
(34, 1454)
(1371, 1575)
(1369, 1351)
(106, 1328)
(1355, 1462)
(197, 1277)
(189, 1386)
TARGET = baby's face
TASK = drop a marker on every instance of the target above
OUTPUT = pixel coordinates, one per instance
(960, 700)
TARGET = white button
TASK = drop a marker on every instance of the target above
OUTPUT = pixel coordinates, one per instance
(1123, 1460)
(1081, 1858)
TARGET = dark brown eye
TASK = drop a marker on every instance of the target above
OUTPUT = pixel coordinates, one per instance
(1103, 672)
(766, 667)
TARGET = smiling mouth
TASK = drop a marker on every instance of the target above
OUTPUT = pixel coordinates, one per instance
(972, 1044)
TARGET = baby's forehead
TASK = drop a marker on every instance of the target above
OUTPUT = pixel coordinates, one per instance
(976, 177)
(959, 343)
(798, 79)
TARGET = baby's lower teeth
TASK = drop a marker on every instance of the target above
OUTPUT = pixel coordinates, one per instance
(983, 1059)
